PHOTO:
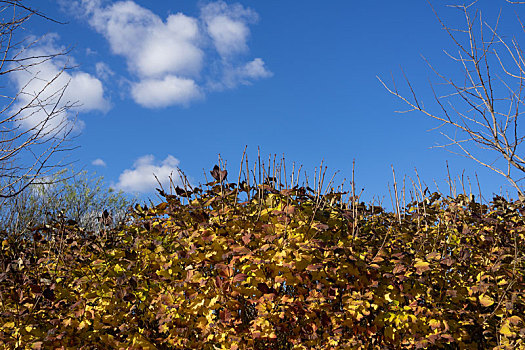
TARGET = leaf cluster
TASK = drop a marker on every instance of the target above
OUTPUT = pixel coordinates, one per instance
(283, 269)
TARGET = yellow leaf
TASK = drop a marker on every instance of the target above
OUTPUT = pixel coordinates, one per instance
(213, 301)
(433, 256)
(280, 279)
(83, 325)
(202, 322)
(434, 324)
(421, 266)
(505, 330)
(485, 300)
(118, 268)
(143, 343)
(286, 299)
(502, 282)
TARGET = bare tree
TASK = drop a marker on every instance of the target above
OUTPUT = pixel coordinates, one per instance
(479, 111)
(34, 129)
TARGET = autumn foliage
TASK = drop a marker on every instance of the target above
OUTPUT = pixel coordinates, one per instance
(230, 266)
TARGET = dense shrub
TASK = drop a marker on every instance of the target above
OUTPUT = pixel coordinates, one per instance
(283, 269)
(79, 196)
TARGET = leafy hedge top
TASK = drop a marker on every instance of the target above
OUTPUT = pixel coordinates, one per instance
(286, 269)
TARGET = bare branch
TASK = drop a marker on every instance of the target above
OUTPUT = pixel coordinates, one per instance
(34, 128)
(484, 110)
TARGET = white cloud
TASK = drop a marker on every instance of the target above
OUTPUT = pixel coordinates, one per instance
(171, 48)
(228, 26)
(171, 90)
(98, 162)
(88, 90)
(103, 71)
(141, 178)
(255, 70)
(150, 46)
(244, 75)
(167, 57)
(46, 86)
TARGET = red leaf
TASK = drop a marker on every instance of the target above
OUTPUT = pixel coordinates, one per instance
(241, 250)
(314, 267)
(246, 238)
(263, 288)
(240, 277)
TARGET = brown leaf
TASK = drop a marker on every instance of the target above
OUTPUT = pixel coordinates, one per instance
(289, 209)
(264, 288)
(287, 192)
(399, 269)
(240, 277)
(224, 270)
(162, 206)
(35, 288)
(241, 250)
(314, 267)
(515, 320)
(182, 192)
(447, 261)
(377, 259)
(421, 266)
(225, 315)
(447, 337)
(218, 282)
(37, 345)
(433, 256)
(218, 174)
(246, 238)
(49, 294)
(321, 226)
(256, 334)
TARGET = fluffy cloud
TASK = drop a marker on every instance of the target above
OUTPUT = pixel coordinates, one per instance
(154, 93)
(46, 87)
(255, 70)
(168, 58)
(98, 162)
(151, 46)
(228, 26)
(141, 178)
(244, 75)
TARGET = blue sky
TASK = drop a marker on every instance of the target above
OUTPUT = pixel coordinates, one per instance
(175, 83)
